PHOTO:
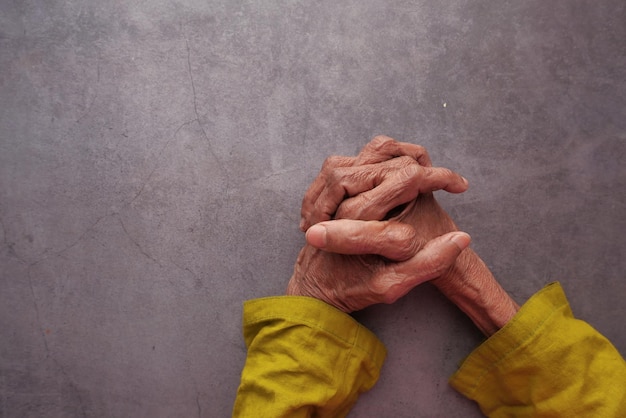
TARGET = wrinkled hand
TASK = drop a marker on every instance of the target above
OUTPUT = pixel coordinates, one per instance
(467, 282)
(367, 262)
(364, 263)
(388, 180)
(384, 176)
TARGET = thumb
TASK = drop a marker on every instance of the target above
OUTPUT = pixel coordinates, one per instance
(391, 239)
(438, 255)
(397, 279)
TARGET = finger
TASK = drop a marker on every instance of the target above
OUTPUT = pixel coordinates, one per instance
(395, 188)
(370, 191)
(439, 178)
(346, 182)
(383, 148)
(393, 240)
(317, 186)
(438, 255)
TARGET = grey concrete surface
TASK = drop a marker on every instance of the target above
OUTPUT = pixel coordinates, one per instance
(153, 156)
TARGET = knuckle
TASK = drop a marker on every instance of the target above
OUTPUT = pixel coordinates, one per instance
(399, 233)
(379, 287)
(336, 161)
(418, 153)
(420, 150)
(335, 176)
(325, 211)
(385, 289)
(409, 175)
(411, 171)
(380, 142)
(331, 162)
(380, 148)
(403, 238)
(388, 147)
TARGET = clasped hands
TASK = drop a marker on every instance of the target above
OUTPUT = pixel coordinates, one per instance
(374, 231)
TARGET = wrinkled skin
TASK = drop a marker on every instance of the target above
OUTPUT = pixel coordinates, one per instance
(385, 175)
(416, 241)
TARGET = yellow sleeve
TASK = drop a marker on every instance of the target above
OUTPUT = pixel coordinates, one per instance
(545, 363)
(305, 358)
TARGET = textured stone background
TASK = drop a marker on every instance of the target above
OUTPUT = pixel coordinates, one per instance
(153, 156)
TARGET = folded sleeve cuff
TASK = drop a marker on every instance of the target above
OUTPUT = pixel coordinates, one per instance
(530, 319)
(314, 314)
(305, 358)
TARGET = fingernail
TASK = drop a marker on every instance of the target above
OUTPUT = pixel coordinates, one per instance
(316, 236)
(465, 180)
(302, 224)
(462, 240)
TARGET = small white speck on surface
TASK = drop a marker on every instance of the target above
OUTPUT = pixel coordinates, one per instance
(445, 104)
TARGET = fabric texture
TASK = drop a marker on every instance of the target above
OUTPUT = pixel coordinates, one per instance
(305, 359)
(308, 359)
(545, 363)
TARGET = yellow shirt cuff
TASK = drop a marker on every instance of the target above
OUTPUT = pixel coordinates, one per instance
(305, 358)
(544, 362)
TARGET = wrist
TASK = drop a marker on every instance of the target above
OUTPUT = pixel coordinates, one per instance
(470, 285)
(297, 287)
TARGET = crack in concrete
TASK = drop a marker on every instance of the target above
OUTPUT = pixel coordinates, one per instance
(158, 157)
(193, 86)
(49, 355)
(10, 245)
(37, 315)
(71, 383)
(195, 108)
(220, 165)
(51, 253)
(198, 283)
(141, 250)
(36, 308)
(46, 255)
(187, 269)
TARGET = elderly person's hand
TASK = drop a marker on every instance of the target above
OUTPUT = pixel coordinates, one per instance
(385, 175)
(463, 278)
(468, 283)
(352, 270)
(373, 262)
